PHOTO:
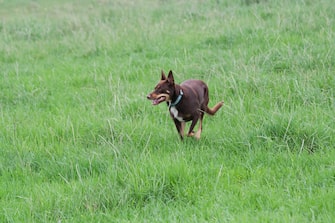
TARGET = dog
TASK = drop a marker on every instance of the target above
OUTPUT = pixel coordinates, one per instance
(186, 102)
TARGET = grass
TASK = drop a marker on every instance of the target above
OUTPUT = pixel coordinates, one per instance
(79, 141)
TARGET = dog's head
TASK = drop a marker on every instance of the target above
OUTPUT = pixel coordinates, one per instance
(163, 90)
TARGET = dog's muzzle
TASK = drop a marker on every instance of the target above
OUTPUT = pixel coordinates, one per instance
(157, 99)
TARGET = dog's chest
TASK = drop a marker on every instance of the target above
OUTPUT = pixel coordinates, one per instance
(174, 112)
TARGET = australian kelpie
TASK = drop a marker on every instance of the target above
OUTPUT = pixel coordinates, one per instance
(187, 102)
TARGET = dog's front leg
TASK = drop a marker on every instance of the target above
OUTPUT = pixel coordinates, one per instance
(180, 128)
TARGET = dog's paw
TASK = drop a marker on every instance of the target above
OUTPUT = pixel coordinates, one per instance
(191, 134)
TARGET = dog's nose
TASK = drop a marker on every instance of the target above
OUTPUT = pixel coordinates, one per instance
(148, 96)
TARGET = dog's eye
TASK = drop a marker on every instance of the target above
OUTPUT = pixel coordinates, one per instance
(157, 87)
(167, 91)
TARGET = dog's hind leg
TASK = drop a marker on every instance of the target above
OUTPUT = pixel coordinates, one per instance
(198, 133)
(194, 122)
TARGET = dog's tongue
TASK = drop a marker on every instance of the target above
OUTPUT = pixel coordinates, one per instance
(158, 100)
(155, 102)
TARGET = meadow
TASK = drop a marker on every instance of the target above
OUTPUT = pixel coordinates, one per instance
(79, 141)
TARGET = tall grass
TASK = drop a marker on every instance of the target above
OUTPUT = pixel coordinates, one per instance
(79, 141)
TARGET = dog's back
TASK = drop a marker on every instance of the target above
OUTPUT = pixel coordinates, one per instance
(198, 91)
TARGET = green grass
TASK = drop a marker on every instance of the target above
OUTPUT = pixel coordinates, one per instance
(79, 142)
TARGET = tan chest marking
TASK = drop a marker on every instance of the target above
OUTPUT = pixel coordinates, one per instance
(174, 113)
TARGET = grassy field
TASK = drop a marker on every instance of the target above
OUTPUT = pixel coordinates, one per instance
(79, 141)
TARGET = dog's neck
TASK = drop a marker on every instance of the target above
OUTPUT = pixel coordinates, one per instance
(177, 98)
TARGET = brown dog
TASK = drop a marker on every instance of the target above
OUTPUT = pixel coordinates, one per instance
(187, 102)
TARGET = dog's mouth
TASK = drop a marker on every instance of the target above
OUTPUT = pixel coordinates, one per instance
(159, 99)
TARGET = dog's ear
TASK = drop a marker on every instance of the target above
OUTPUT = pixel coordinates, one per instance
(170, 78)
(163, 76)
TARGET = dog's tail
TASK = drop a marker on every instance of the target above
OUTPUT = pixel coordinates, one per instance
(212, 111)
